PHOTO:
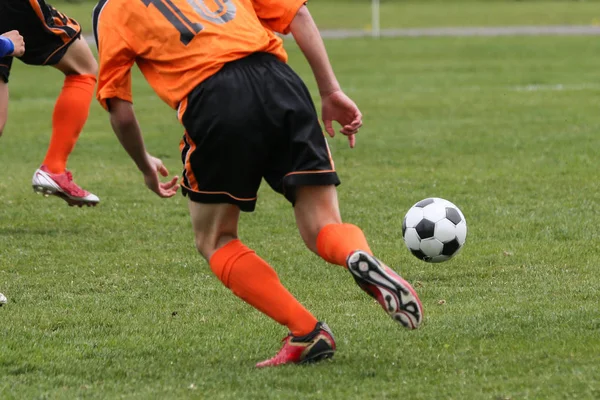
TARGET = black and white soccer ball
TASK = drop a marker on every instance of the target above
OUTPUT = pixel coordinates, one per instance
(434, 230)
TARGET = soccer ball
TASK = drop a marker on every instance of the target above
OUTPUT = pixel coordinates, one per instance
(434, 230)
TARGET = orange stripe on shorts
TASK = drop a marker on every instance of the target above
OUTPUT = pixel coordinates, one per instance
(188, 166)
(57, 31)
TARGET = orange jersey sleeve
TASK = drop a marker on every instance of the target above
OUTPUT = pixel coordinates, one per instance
(116, 57)
(277, 14)
(177, 44)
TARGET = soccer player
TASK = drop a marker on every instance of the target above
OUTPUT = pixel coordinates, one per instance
(12, 44)
(247, 116)
(53, 39)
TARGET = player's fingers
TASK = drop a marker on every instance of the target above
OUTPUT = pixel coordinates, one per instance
(163, 170)
(329, 127)
(349, 130)
(165, 194)
(168, 191)
(357, 119)
(168, 185)
(352, 141)
(357, 123)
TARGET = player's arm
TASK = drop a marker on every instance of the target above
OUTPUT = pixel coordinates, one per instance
(127, 129)
(116, 58)
(12, 44)
(336, 106)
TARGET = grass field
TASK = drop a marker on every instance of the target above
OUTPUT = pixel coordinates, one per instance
(114, 302)
(409, 14)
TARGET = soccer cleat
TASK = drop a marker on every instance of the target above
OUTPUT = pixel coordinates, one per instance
(62, 185)
(316, 346)
(395, 295)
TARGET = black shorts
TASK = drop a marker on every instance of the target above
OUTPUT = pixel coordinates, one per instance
(253, 119)
(47, 32)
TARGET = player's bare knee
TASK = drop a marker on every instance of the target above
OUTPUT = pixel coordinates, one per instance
(208, 244)
(203, 247)
(310, 240)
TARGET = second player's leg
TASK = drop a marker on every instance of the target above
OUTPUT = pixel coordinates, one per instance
(318, 219)
(68, 119)
(73, 104)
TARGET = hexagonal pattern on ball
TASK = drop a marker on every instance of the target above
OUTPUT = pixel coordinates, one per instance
(438, 259)
(461, 232)
(425, 229)
(413, 216)
(450, 248)
(445, 230)
(424, 203)
(419, 254)
(432, 247)
(434, 212)
(453, 215)
(412, 239)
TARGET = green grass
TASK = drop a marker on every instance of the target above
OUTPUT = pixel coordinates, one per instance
(411, 14)
(114, 302)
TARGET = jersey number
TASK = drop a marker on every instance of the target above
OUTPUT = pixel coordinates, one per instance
(187, 29)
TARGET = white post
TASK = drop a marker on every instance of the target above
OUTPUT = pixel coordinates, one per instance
(375, 18)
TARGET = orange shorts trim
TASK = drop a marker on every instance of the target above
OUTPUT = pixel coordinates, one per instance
(60, 20)
(189, 173)
(216, 193)
(327, 171)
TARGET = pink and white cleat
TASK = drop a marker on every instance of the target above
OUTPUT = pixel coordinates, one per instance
(62, 185)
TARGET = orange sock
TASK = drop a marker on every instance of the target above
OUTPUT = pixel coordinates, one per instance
(335, 242)
(254, 281)
(70, 114)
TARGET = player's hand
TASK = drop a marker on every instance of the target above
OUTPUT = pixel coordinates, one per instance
(163, 189)
(338, 107)
(18, 42)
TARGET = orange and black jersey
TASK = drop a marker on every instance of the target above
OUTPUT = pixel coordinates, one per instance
(179, 43)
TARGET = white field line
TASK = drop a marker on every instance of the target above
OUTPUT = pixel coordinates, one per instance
(558, 87)
(470, 31)
(558, 30)
(551, 87)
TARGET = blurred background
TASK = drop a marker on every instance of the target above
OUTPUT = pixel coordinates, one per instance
(364, 15)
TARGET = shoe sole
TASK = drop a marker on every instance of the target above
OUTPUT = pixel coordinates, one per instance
(46, 192)
(396, 296)
(324, 355)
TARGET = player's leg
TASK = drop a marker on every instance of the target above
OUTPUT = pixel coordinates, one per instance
(224, 151)
(304, 172)
(73, 103)
(253, 280)
(54, 39)
(317, 215)
(241, 270)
